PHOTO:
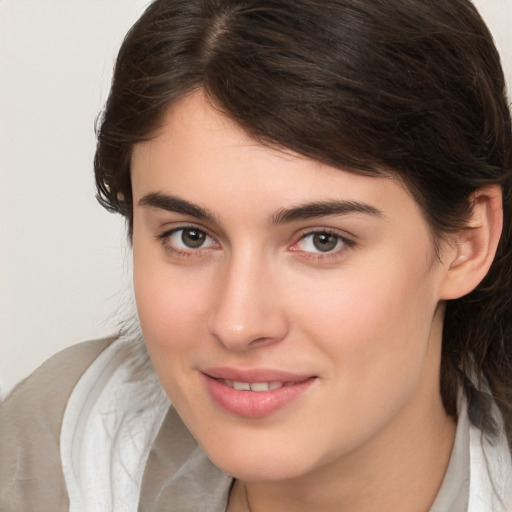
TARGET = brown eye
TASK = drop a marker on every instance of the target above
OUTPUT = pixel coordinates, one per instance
(187, 240)
(322, 242)
(325, 242)
(193, 238)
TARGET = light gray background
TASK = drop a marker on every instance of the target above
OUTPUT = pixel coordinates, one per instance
(64, 262)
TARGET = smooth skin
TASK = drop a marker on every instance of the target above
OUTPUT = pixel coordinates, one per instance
(351, 294)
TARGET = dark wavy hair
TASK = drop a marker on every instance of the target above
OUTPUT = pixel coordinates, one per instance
(414, 86)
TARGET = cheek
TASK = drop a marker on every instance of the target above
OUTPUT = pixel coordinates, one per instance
(171, 305)
(170, 315)
(374, 336)
(373, 324)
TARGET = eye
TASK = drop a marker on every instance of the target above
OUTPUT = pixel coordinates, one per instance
(321, 242)
(187, 240)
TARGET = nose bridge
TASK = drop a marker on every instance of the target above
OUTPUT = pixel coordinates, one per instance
(245, 310)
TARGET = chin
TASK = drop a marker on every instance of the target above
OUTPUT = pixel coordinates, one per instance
(259, 463)
(259, 471)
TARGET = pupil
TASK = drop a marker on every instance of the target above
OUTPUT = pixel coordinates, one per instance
(193, 238)
(325, 242)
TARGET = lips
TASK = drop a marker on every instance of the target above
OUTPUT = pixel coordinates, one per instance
(254, 393)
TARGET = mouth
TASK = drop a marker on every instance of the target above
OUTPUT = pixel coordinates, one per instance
(254, 393)
(258, 387)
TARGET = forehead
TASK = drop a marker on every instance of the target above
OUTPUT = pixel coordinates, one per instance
(204, 157)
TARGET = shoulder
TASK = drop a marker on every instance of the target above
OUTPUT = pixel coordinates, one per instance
(63, 368)
(30, 423)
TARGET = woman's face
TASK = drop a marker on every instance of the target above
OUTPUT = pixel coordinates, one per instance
(290, 308)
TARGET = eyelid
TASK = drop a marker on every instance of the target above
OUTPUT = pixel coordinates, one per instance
(348, 242)
(165, 235)
(171, 227)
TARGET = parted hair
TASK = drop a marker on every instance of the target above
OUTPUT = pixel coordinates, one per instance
(408, 88)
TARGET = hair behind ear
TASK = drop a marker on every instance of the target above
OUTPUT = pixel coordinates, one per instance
(477, 336)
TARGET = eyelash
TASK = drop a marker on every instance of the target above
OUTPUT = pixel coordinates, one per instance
(185, 253)
(346, 243)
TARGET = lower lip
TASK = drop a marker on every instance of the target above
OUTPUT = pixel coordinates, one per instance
(254, 404)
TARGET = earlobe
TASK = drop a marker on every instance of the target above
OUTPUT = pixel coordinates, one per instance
(471, 253)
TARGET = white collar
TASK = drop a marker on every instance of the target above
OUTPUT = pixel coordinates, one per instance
(490, 485)
(107, 432)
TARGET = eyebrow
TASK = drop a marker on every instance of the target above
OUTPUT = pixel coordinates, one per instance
(322, 209)
(172, 203)
(302, 212)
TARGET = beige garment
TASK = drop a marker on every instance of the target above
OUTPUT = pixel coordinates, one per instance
(178, 477)
(31, 476)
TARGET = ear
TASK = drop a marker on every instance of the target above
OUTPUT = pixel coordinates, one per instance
(470, 252)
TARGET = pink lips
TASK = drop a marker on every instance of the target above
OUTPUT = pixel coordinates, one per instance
(254, 404)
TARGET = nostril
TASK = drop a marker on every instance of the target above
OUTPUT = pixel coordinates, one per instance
(261, 341)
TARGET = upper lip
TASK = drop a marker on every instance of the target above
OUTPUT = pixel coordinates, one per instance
(251, 375)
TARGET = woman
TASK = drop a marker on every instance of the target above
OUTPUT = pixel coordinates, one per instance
(318, 195)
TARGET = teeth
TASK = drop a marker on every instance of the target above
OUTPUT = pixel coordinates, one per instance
(260, 386)
(254, 386)
(242, 386)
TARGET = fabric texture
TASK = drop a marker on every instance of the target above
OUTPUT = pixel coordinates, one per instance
(92, 431)
(453, 495)
(31, 475)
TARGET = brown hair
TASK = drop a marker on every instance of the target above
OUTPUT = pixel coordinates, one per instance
(414, 86)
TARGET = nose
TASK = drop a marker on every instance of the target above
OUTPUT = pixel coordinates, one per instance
(248, 311)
